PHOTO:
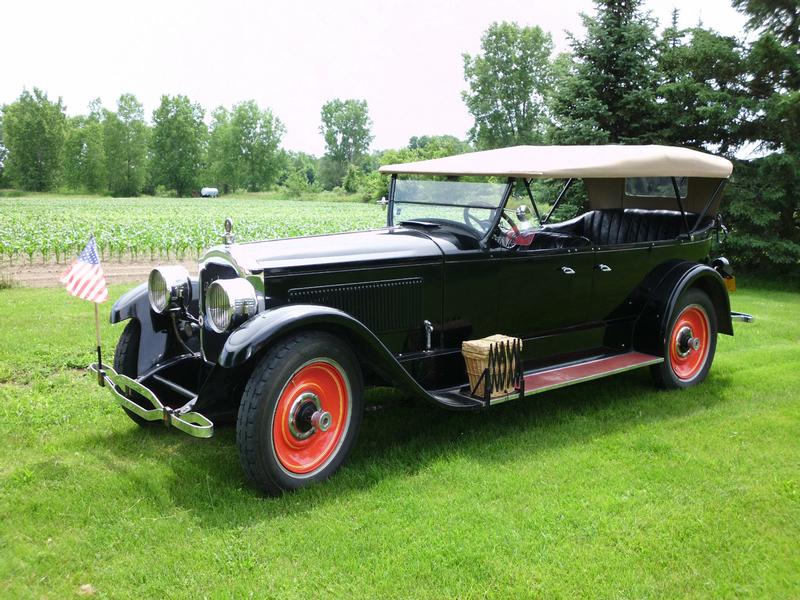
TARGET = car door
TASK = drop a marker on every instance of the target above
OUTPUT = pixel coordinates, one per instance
(617, 273)
(544, 295)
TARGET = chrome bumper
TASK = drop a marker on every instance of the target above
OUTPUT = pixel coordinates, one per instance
(742, 317)
(183, 418)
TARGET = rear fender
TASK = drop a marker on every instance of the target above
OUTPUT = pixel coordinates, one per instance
(650, 332)
(260, 332)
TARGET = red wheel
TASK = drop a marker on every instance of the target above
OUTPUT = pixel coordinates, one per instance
(688, 346)
(690, 342)
(300, 412)
(311, 417)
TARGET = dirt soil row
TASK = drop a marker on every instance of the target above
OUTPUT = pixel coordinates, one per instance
(48, 274)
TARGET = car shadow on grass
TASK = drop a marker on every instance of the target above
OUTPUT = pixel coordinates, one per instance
(399, 438)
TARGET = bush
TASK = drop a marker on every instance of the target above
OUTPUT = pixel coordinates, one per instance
(297, 184)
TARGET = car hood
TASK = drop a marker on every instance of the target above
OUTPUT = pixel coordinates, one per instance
(345, 250)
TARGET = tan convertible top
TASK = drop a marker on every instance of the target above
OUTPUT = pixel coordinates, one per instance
(574, 161)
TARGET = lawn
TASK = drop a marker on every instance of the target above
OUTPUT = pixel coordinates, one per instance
(608, 489)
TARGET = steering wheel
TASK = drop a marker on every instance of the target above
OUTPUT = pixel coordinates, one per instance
(473, 221)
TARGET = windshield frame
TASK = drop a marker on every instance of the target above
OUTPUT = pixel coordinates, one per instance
(483, 237)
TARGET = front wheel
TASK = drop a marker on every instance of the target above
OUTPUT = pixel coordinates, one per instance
(690, 343)
(300, 412)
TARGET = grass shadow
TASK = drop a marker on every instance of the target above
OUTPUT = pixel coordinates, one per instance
(399, 437)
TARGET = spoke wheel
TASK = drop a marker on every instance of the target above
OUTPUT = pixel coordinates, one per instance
(690, 342)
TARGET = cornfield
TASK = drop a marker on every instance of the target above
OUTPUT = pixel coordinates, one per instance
(47, 229)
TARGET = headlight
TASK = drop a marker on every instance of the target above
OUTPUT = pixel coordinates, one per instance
(167, 287)
(228, 300)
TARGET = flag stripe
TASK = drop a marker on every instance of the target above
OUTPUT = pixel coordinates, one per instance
(84, 278)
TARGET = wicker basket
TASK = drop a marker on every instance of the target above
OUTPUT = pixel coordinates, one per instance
(476, 355)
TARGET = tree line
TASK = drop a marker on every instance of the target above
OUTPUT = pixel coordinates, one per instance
(119, 152)
(623, 81)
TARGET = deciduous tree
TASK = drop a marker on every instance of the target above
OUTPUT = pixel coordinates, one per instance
(84, 151)
(178, 143)
(126, 139)
(346, 127)
(33, 132)
(508, 83)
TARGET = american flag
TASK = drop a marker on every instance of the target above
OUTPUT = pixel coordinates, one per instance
(84, 278)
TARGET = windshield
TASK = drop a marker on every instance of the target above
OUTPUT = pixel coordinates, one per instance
(460, 203)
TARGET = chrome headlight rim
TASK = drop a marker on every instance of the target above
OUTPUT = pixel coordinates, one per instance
(228, 302)
(168, 287)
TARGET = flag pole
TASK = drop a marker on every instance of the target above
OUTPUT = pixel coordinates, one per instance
(100, 373)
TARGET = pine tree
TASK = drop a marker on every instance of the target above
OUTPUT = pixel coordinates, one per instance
(607, 93)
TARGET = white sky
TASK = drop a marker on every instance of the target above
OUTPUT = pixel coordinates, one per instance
(404, 58)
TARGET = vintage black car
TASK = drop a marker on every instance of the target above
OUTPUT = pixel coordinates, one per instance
(284, 335)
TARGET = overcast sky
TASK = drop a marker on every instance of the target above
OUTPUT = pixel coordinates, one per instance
(404, 58)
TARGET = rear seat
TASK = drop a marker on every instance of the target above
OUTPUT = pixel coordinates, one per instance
(617, 226)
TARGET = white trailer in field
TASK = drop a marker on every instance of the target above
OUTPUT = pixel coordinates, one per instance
(209, 192)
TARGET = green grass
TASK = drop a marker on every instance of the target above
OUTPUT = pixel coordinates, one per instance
(608, 489)
(44, 227)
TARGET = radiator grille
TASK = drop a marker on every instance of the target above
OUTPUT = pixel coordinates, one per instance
(383, 306)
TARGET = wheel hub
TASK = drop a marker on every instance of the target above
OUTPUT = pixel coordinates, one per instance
(686, 342)
(306, 416)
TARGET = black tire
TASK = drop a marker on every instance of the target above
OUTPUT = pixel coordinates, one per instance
(126, 362)
(681, 370)
(280, 380)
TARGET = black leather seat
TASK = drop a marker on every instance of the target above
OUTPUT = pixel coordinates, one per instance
(617, 226)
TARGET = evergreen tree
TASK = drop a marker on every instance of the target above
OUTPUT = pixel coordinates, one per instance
(606, 92)
(702, 89)
(764, 204)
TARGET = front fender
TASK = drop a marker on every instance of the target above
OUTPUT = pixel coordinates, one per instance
(651, 327)
(259, 332)
(134, 304)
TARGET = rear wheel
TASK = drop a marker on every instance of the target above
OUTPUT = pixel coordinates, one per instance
(300, 412)
(126, 362)
(690, 343)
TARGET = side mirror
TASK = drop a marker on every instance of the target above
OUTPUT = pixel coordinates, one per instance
(383, 202)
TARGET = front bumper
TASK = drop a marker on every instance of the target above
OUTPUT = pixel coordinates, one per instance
(183, 418)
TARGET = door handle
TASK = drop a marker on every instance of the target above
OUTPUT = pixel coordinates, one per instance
(604, 268)
(567, 271)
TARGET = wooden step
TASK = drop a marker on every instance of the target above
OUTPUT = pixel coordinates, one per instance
(553, 378)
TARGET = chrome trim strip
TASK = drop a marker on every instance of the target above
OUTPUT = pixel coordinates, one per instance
(188, 421)
(742, 317)
(513, 396)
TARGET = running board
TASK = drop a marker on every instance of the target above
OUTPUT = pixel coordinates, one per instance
(554, 378)
(550, 378)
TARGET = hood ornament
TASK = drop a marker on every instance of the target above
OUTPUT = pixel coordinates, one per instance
(228, 236)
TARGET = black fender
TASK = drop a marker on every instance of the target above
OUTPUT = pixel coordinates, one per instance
(262, 330)
(674, 278)
(155, 328)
